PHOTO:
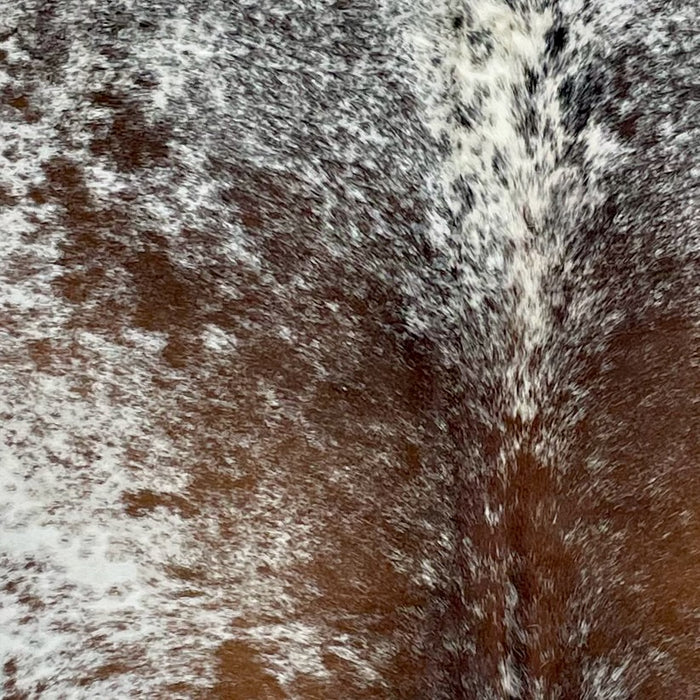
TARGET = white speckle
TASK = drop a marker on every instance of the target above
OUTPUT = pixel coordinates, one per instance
(493, 516)
(218, 339)
(510, 684)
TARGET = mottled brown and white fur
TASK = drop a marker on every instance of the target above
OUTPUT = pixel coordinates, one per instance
(349, 349)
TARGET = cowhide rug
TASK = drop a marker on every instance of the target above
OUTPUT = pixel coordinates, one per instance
(349, 349)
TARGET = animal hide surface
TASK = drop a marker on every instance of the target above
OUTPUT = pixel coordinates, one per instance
(349, 349)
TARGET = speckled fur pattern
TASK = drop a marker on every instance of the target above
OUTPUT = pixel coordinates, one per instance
(349, 349)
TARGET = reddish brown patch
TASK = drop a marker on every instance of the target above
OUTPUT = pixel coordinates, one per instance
(186, 574)
(130, 274)
(6, 197)
(544, 571)
(641, 426)
(132, 142)
(65, 184)
(34, 603)
(628, 126)
(143, 502)
(242, 674)
(89, 251)
(279, 213)
(163, 298)
(106, 671)
(20, 102)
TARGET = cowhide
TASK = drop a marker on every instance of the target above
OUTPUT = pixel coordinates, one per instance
(349, 349)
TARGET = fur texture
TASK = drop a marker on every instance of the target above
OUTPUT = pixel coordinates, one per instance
(349, 349)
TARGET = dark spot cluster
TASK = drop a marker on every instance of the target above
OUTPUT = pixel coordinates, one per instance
(555, 41)
(532, 80)
(466, 116)
(499, 166)
(130, 139)
(481, 45)
(627, 127)
(464, 193)
(20, 104)
(9, 686)
(580, 96)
